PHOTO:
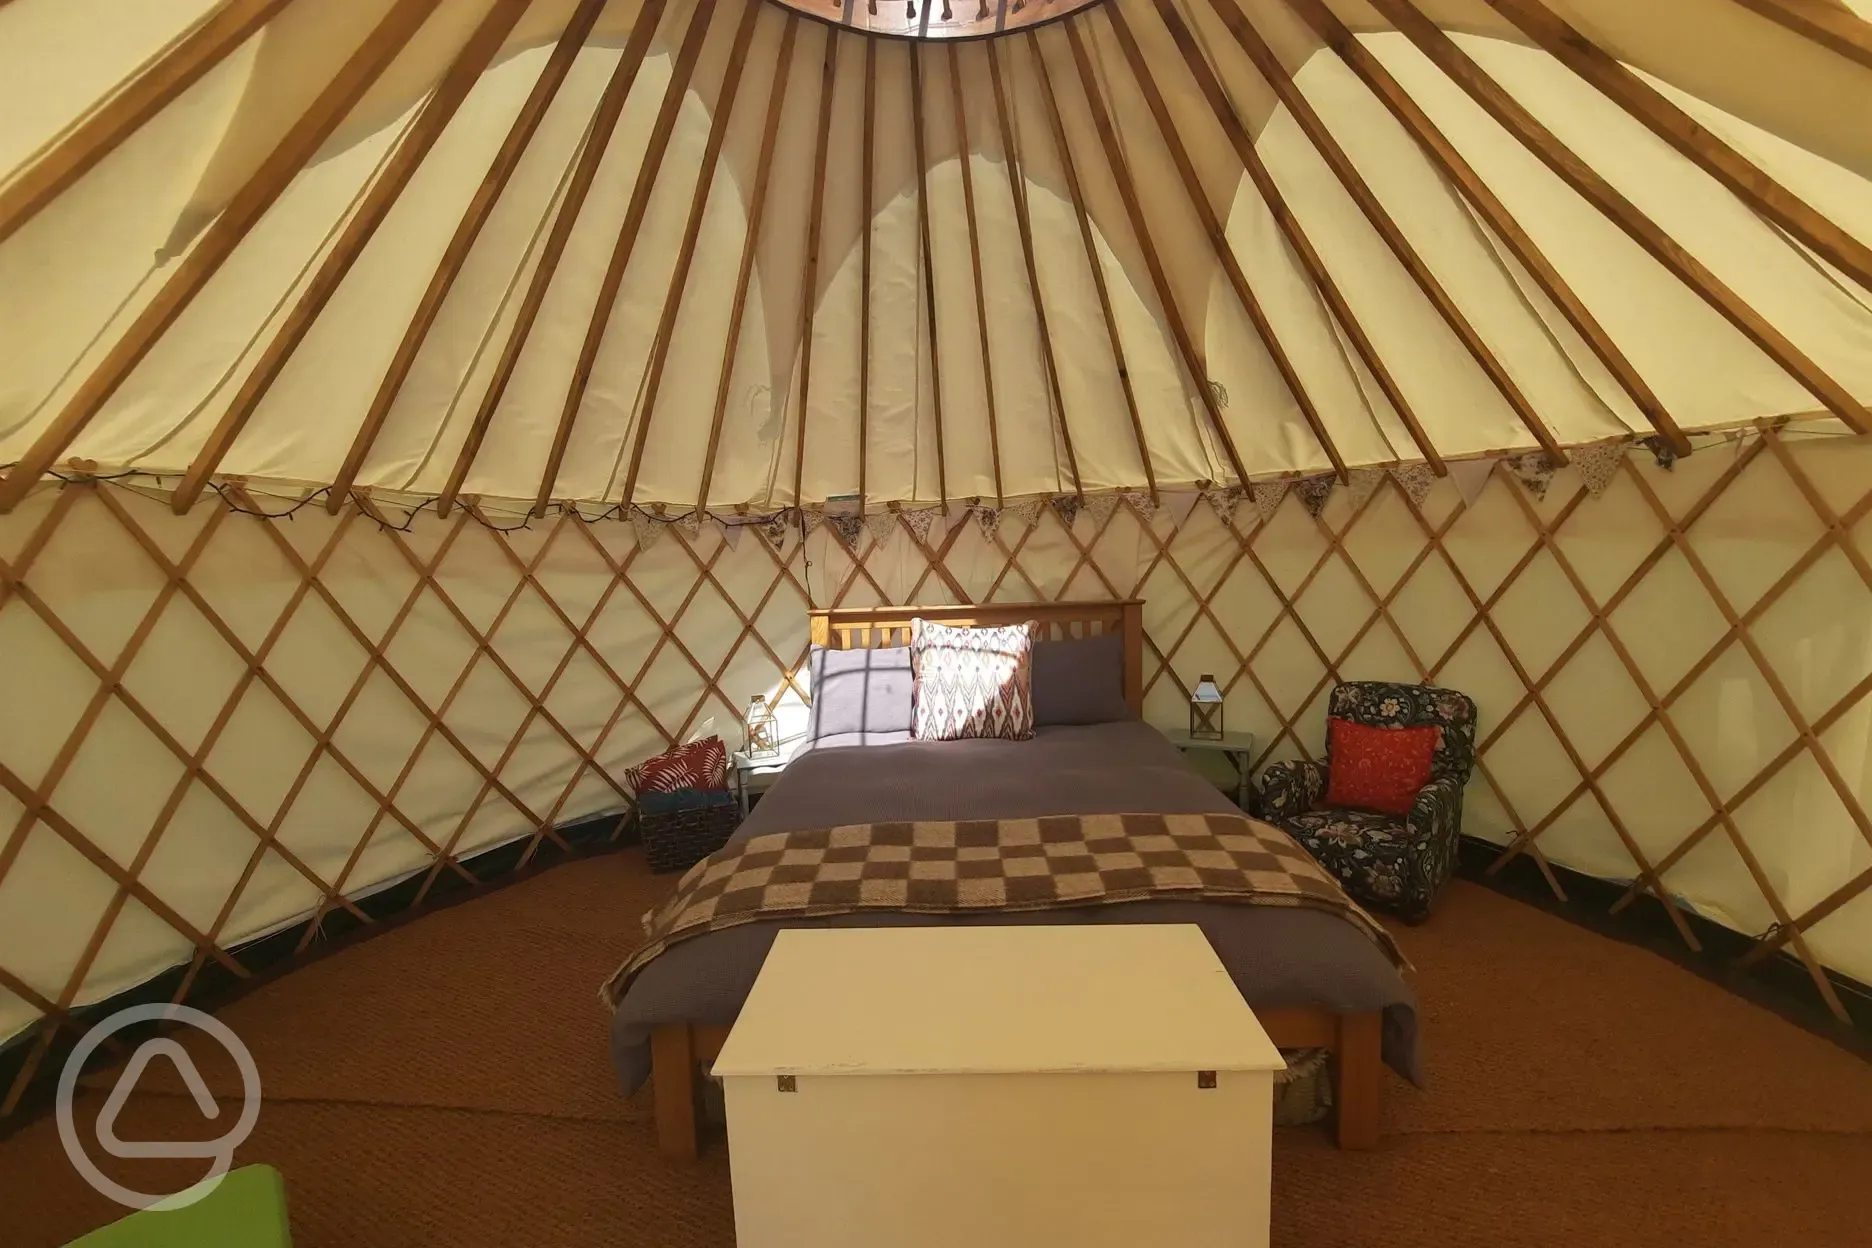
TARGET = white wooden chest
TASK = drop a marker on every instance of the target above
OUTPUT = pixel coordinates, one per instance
(998, 1086)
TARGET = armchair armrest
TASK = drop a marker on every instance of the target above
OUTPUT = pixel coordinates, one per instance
(1290, 788)
(1437, 801)
(1435, 821)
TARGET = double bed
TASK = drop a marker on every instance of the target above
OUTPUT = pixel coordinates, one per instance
(1315, 979)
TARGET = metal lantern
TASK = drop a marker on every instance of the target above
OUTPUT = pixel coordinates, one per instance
(763, 734)
(1206, 710)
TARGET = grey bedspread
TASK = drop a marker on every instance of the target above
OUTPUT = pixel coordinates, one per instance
(1279, 958)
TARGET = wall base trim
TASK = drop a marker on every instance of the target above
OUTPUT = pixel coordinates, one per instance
(273, 956)
(1780, 983)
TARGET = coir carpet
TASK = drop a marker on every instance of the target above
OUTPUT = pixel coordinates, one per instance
(447, 1084)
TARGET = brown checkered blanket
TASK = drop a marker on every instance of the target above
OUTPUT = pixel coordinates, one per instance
(988, 865)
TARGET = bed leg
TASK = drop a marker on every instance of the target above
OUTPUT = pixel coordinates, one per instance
(1360, 1079)
(673, 1074)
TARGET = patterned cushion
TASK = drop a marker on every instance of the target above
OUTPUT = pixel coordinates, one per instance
(973, 682)
(1373, 855)
(699, 765)
(1379, 768)
(1349, 828)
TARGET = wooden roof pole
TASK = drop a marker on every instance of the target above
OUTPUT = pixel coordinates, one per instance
(374, 55)
(965, 164)
(1291, 229)
(480, 208)
(603, 124)
(1218, 240)
(1092, 261)
(1449, 161)
(1140, 228)
(1824, 23)
(674, 93)
(1649, 107)
(180, 66)
(776, 105)
(867, 176)
(815, 231)
(929, 261)
(1476, 83)
(475, 56)
(1017, 184)
(1355, 185)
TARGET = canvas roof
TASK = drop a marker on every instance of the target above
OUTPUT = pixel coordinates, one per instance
(526, 251)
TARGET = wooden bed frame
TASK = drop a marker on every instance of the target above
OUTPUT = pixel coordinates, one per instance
(680, 1051)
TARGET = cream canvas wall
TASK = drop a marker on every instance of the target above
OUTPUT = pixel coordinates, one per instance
(215, 724)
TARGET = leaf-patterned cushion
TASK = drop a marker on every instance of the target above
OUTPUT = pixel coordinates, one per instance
(973, 682)
(699, 765)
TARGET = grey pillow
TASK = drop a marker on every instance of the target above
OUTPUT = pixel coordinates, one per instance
(1080, 681)
(859, 691)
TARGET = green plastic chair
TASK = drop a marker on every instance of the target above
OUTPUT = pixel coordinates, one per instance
(247, 1210)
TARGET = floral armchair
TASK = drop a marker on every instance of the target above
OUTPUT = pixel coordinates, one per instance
(1397, 863)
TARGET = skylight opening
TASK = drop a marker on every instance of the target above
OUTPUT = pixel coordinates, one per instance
(938, 19)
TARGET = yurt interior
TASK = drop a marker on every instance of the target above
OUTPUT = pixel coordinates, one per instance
(666, 623)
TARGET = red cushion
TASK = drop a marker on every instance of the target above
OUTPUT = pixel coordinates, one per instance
(1380, 769)
(699, 765)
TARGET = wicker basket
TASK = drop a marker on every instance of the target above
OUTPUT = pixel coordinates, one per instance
(681, 829)
(1303, 1092)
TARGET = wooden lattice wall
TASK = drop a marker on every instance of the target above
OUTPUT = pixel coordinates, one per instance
(216, 725)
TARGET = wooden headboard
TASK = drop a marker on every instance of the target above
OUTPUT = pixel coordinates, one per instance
(868, 628)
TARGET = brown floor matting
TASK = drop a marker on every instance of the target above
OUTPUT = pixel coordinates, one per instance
(447, 1084)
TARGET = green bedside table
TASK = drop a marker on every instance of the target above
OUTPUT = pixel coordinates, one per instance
(247, 1210)
(1237, 747)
